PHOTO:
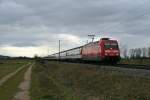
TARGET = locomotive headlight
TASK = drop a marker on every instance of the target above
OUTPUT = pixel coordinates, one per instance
(106, 54)
(117, 54)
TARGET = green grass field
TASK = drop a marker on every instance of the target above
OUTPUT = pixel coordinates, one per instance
(9, 89)
(66, 81)
(8, 66)
(44, 87)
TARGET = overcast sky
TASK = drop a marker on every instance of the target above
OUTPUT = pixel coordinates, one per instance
(29, 27)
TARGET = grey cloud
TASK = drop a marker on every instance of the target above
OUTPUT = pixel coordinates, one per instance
(35, 22)
(11, 12)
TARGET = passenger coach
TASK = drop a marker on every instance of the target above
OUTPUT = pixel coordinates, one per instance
(104, 50)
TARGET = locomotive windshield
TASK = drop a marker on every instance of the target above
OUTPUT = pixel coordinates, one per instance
(111, 46)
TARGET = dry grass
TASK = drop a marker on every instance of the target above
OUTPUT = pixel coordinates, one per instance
(136, 61)
(85, 82)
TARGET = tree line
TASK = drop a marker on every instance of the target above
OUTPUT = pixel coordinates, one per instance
(135, 53)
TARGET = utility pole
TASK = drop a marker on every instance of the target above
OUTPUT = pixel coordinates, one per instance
(87, 41)
(92, 36)
(48, 51)
(59, 51)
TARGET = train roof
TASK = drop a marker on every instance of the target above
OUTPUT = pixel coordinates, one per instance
(68, 50)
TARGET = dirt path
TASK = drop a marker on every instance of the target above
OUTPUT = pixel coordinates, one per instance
(23, 93)
(4, 79)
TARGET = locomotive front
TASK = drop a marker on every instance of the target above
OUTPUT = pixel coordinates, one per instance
(110, 50)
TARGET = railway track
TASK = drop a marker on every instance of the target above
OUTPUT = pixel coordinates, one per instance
(132, 66)
(129, 66)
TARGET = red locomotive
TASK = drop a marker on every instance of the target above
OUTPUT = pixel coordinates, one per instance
(104, 50)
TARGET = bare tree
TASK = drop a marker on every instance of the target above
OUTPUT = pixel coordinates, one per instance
(125, 53)
(144, 51)
(131, 53)
(149, 52)
(138, 52)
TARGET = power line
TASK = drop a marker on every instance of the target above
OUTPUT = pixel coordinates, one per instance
(92, 36)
